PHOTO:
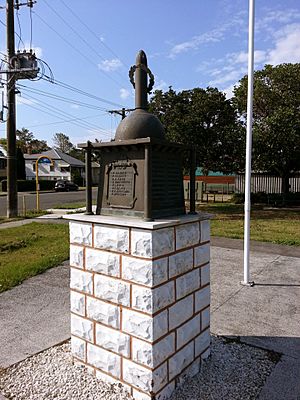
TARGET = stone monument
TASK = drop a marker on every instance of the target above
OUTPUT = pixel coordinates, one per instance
(140, 282)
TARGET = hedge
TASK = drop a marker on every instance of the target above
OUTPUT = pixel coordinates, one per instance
(273, 199)
(24, 186)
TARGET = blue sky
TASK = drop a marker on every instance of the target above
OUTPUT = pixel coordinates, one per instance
(91, 44)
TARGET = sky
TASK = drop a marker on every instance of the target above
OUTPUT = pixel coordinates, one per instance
(90, 46)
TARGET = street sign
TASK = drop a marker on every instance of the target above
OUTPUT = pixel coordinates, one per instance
(44, 160)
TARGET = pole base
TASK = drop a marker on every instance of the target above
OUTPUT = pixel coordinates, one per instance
(89, 213)
(251, 283)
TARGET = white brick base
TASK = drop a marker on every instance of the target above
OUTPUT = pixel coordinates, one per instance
(140, 300)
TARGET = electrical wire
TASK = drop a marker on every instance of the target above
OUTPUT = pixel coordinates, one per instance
(16, 33)
(20, 30)
(66, 121)
(86, 58)
(49, 107)
(92, 32)
(82, 92)
(61, 98)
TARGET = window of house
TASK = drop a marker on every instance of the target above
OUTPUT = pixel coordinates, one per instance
(51, 168)
(33, 166)
(65, 169)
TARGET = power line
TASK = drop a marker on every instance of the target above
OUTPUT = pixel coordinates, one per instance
(61, 98)
(93, 33)
(66, 121)
(80, 91)
(16, 33)
(92, 62)
(57, 111)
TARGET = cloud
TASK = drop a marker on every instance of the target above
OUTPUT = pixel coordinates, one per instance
(287, 46)
(228, 91)
(22, 100)
(161, 85)
(75, 106)
(213, 36)
(124, 93)
(110, 65)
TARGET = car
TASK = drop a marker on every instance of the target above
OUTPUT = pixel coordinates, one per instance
(65, 186)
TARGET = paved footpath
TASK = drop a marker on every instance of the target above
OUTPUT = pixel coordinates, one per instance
(35, 315)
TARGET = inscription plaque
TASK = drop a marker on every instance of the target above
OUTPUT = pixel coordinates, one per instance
(121, 184)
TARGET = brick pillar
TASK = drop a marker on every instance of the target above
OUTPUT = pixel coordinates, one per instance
(140, 296)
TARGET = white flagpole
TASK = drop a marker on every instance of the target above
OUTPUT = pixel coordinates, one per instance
(249, 146)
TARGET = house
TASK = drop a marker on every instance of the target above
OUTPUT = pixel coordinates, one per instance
(3, 163)
(63, 167)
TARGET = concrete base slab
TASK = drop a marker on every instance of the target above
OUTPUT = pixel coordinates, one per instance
(34, 316)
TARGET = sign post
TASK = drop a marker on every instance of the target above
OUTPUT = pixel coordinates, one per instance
(40, 160)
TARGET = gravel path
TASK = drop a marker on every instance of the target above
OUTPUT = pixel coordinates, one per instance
(234, 371)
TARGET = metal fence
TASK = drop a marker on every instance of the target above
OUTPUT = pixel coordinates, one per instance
(266, 183)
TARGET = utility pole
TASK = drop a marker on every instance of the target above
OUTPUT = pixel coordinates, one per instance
(121, 112)
(12, 193)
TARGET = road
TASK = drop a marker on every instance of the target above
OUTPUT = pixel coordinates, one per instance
(47, 200)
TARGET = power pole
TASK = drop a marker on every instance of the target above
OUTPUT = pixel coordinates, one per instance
(121, 112)
(12, 193)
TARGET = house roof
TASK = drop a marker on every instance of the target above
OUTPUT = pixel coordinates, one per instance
(55, 154)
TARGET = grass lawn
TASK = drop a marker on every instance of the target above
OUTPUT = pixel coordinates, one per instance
(31, 249)
(29, 214)
(267, 225)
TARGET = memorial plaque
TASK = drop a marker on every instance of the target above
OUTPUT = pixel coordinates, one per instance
(121, 184)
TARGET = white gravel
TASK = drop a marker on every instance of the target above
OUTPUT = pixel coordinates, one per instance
(234, 371)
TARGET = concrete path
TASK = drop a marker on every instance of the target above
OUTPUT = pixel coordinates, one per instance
(35, 315)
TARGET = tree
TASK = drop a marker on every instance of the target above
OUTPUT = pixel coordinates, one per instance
(204, 118)
(276, 119)
(62, 142)
(24, 138)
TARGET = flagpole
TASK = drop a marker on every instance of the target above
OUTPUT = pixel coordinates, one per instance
(249, 147)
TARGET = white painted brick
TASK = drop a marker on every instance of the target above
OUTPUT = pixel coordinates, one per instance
(81, 233)
(188, 331)
(112, 381)
(112, 290)
(104, 360)
(152, 300)
(205, 231)
(81, 280)
(81, 327)
(187, 235)
(140, 325)
(167, 391)
(149, 273)
(180, 360)
(202, 342)
(180, 263)
(113, 340)
(103, 262)
(111, 238)
(187, 283)
(180, 312)
(202, 298)
(140, 396)
(105, 313)
(150, 244)
(153, 355)
(78, 348)
(202, 254)
(189, 372)
(77, 303)
(205, 274)
(205, 318)
(205, 355)
(76, 256)
(145, 379)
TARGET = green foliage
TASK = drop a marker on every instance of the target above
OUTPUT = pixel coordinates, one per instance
(273, 199)
(30, 250)
(204, 118)
(276, 119)
(62, 142)
(26, 141)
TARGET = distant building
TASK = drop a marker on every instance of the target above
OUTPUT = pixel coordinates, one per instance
(3, 163)
(64, 166)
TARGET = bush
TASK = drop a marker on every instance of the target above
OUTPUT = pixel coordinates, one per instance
(24, 186)
(273, 199)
